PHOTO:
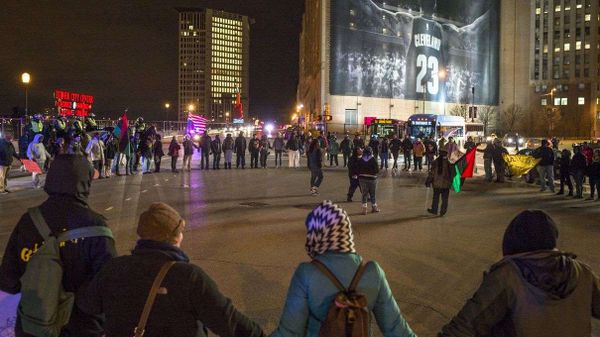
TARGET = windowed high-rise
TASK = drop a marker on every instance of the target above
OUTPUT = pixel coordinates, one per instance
(565, 62)
(213, 63)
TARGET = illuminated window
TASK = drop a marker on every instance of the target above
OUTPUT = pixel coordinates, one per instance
(581, 100)
(564, 101)
(557, 101)
(567, 46)
(557, 8)
(578, 45)
(538, 11)
(544, 101)
(545, 48)
(567, 7)
(557, 49)
(587, 46)
(579, 6)
(588, 17)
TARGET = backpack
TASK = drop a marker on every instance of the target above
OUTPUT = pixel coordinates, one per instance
(348, 314)
(45, 307)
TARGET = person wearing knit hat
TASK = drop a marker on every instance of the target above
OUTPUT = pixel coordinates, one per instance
(535, 290)
(368, 169)
(188, 299)
(330, 242)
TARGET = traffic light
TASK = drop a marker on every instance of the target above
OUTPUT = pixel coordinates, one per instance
(328, 118)
(327, 109)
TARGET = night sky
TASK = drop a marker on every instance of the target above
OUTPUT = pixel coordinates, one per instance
(125, 53)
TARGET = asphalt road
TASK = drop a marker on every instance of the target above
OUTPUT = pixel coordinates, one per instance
(246, 229)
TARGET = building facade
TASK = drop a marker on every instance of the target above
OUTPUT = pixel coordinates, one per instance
(214, 56)
(362, 59)
(565, 64)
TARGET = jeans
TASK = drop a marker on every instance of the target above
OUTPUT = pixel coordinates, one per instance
(368, 188)
(332, 158)
(594, 187)
(157, 161)
(240, 160)
(228, 157)
(174, 163)
(489, 173)
(444, 193)
(146, 164)
(346, 157)
(205, 159)
(107, 167)
(565, 179)
(316, 177)
(4, 171)
(263, 159)
(278, 155)
(216, 161)
(546, 176)
(578, 177)
(500, 170)
(354, 184)
(407, 160)
(418, 163)
(187, 162)
(254, 159)
(293, 158)
(395, 155)
(384, 159)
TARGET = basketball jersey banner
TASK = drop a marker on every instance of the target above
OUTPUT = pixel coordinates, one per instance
(434, 50)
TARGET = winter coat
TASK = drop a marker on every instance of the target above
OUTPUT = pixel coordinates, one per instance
(488, 152)
(111, 148)
(120, 290)
(442, 179)
(158, 149)
(215, 146)
(353, 162)
(264, 145)
(228, 144)
(579, 163)
(174, 148)
(469, 145)
(385, 146)
(358, 142)
(7, 153)
(546, 154)
(315, 159)
(205, 143)
(418, 149)
(278, 144)
(65, 209)
(395, 145)
(254, 145)
(346, 146)
(95, 150)
(23, 145)
(188, 147)
(240, 145)
(368, 169)
(37, 151)
(594, 170)
(374, 145)
(311, 293)
(565, 165)
(451, 148)
(497, 155)
(543, 293)
(334, 148)
(292, 144)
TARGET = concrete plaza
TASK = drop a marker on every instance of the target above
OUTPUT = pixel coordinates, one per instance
(246, 229)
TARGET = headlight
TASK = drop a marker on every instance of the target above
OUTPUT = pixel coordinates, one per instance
(510, 140)
(521, 141)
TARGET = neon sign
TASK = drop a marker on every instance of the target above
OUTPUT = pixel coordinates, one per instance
(73, 104)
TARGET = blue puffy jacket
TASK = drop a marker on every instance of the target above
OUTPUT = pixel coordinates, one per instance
(311, 294)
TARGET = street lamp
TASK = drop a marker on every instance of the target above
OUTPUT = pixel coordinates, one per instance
(191, 107)
(167, 107)
(26, 79)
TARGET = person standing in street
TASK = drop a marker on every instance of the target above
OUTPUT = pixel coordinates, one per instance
(395, 147)
(95, 151)
(384, 153)
(7, 154)
(407, 148)
(578, 169)
(188, 300)
(278, 146)
(228, 147)
(263, 149)
(37, 152)
(594, 175)
(358, 141)
(374, 144)
(205, 145)
(418, 153)
(158, 153)
(353, 172)
(334, 150)
(315, 164)
(470, 144)
(240, 151)
(346, 148)
(488, 159)
(498, 152)
(430, 152)
(292, 146)
(546, 166)
(368, 169)
(188, 152)
(565, 173)
(110, 151)
(174, 148)
(254, 149)
(323, 144)
(216, 148)
(440, 178)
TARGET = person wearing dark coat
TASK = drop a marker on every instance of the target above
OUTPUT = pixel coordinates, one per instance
(346, 147)
(188, 152)
(440, 178)
(565, 173)
(7, 154)
(228, 149)
(174, 148)
(353, 162)
(535, 290)
(188, 302)
(497, 157)
(157, 150)
(578, 170)
(205, 145)
(374, 144)
(68, 187)
(215, 147)
(254, 149)
(240, 151)
(358, 142)
(263, 149)
(395, 147)
(407, 148)
(594, 174)
(367, 178)
(315, 164)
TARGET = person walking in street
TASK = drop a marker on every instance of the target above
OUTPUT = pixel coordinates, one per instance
(535, 290)
(578, 170)
(66, 209)
(263, 149)
(418, 153)
(407, 148)
(374, 144)
(334, 150)
(188, 152)
(565, 173)
(498, 152)
(110, 152)
(205, 145)
(37, 152)
(7, 154)
(353, 172)
(315, 164)
(440, 178)
(278, 146)
(157, 150)
(346, 149)
(254, 149)
(292, 146)
(174, 148)
(188, 302)
(367, 179)
(240, 151)
(317, 286)
(594, 175)
(545, 167)
(395, 147)
(228, 148)
(384, 153)
(216, 148)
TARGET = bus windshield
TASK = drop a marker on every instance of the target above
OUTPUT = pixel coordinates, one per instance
(422, 131)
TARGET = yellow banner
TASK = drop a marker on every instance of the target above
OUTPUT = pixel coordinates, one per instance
(519, 164)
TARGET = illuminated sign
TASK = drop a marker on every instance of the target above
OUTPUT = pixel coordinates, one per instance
(238, 121)
(384, 121)
(73, 104)
(427, 123)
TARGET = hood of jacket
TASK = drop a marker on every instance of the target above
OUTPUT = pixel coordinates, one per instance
(550, 275)
(70, 175)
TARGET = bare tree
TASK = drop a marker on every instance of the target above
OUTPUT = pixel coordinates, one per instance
(552, 116)
(511, 117)
(487, 115)
(461, 110)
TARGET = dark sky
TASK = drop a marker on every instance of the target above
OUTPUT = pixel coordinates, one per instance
(125, 52)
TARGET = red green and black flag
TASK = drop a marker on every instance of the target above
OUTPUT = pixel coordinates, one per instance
(464, 168)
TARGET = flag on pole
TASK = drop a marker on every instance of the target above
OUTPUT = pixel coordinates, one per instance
(239, 108)
(121, 133)
(520, 164)
(464, 168)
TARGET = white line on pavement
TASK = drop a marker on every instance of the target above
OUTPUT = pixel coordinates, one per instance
(108, 209)
(127, 199)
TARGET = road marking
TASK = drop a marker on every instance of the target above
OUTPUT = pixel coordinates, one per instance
(144, 191)
(127, 199)
(166, 179)
(155, 185)
(108, 209)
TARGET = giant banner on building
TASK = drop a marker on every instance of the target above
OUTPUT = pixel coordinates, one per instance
(437, 50)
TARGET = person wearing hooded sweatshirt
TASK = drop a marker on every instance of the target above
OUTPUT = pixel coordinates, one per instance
(565, 173)
(594, 174)
(578, 169)
(187, 296)
(330, 242)
(36, 151)
(68, 187)
(315, 164)
(353, 172)
(440, 177)
(535, 290)
(174, 148)
(228, 147)
(367, 179)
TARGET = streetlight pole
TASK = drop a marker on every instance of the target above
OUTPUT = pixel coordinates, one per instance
(26, 79)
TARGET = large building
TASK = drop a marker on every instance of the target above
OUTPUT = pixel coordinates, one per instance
(565, 63)
(214, 58)
(363, 59)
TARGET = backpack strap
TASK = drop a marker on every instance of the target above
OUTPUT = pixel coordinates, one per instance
(329, 274)
(359, 273)
(140, 329)
(85, 232)
(40, 224)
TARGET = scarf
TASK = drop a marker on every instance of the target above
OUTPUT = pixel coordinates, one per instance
(328, 229)
(164, 247)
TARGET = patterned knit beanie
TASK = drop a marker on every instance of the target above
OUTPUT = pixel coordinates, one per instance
(328, 229)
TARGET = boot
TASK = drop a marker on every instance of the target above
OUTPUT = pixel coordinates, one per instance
(365, 209)
(375, 209)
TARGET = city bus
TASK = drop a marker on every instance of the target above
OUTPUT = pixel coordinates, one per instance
(436, 127)
(384, 127)
(475, 130)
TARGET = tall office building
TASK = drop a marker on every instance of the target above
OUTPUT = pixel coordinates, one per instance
(565, 62)
(214, 58)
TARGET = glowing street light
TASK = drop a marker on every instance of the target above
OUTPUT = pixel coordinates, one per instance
(167, 105)
(26, 79)
(191, 107)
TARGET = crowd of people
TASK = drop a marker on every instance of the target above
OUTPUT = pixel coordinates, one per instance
(535, 290)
